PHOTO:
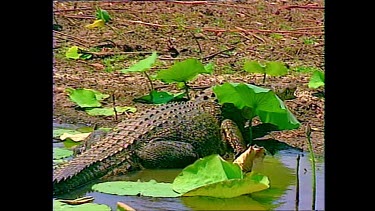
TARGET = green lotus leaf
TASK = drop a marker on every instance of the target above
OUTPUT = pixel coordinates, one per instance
(316, 80)
(275, 68)
(232, 188)
(72, 53)
(102, 15)
(204, 171)
(109, 111)
(59, 153)
(156, 97)
(60, 206)
(150, 188)
(58, 132)
(84, 98)
(253, 67)
(142, 65)
(257, 101)
(183, 71)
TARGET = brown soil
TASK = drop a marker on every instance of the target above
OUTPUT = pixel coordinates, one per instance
(294, 36)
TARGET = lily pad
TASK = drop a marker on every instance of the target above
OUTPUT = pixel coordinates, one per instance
(59, 153)
(150, 188)
(257, 101)
(69, 143)
(58, 132)
(75, 137)
(60, 206)
(232, 188)
(205, 171)
(109, 111)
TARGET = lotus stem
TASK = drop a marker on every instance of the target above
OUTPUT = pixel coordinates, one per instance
(149, 79)
(264, 78)
(251, 131)
(308, 135)
(186, 86)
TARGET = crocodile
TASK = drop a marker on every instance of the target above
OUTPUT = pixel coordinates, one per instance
(172, 135)
(168, 136)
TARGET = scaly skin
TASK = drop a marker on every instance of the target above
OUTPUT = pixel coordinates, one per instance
(168, 136)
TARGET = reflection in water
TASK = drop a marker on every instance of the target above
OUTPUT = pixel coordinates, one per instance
(280, 169)
(245, 202)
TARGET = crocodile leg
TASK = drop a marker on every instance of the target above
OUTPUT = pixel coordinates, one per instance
(167, 154)
(232, 135)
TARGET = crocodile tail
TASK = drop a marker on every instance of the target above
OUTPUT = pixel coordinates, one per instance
(87, 167)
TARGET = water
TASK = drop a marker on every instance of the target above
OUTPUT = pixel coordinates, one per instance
(288, 158)
(280, 169)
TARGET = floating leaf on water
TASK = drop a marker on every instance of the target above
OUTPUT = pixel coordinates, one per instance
(58, 132)
(60, 206)
(75, 137)
(150, 188)
(59, 153)
(232, 188)
(142, 65)
(204, 171)
(69, 143)
(109, 111)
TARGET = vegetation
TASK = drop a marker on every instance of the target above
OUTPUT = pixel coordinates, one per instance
(195, 180)
(316, 80)
(312, 159)
(272, 68)
(253, 101)
(256, 101)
